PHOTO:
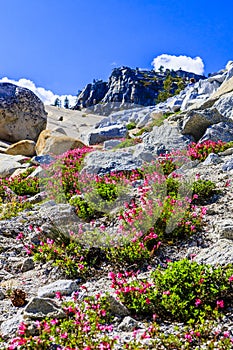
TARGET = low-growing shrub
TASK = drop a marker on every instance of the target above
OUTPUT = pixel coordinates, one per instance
(203, 190)
(128, 143)
(185, 291)
(13, 208)
(131, 125)
(201, 151)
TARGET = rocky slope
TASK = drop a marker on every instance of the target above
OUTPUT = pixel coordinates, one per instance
(206, 114)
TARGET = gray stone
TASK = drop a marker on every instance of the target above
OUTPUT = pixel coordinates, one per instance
(106, 162)
(10, 326)
(39, 197)
(8, 167)
(227, 166)
(227, 152)
(212, 159)
(39, 308)
(225, 105)
(116, 307)
(44, 159)
(2, 295)
(225, 229)
(164, 139)
(221, 131)
(22, 114)
(111, 144)
(65, 287)
(128, 324)
(174, 103)
(27, 264)
(143, 121)
(220, 253)
(196, 122)
(9, 163)
(198, 93)
(57, 218)
(100, 135)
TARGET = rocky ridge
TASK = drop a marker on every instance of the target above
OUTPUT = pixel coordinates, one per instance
(129, 86)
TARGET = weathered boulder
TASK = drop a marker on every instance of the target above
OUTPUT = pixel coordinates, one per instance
(221, 131)
(50, 143)
(10, 326)
(65, 287)
(196, 122)
(220, 252)
(164, 139)
(128, 324)
(228, 165)
(9, 163)
(199, 92)
(106, 162)
(226, 86)
(22, 114)
(103, 134)
(212, 159)
(225, 105)
(111, 144)
(39, 308)
(24, 147)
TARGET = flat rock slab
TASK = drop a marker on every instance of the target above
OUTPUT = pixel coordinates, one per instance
(39, 308)
(65, 287)
(220, 253)
(9, 163)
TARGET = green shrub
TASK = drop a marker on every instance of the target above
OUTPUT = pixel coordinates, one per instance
(185, 291)
(203, 189)
(128, 143)
(131, 126)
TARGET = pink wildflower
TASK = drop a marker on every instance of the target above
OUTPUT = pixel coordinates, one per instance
(220, 303)
(188, 337)
(226, 334)
(22, 328)
(20, 236)
(64, 335)
(166, 292)
(58, 295)
(230, 278)
(198, 302)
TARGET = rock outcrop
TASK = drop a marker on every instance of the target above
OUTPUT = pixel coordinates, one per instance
(129, 86)
(22, 114)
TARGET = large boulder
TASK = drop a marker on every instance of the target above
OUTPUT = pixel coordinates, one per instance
(196, 122)
(24, 147)
(227, 86)
(225, 105)
(22, 114)
(9, 163)
(163, 139)
(56, 144)
(221, 131)
(100, 135)
(106, 162)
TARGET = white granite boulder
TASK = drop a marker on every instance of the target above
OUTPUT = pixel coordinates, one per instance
(22, 114)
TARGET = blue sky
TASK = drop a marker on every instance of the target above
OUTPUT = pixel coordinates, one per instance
(61, 45)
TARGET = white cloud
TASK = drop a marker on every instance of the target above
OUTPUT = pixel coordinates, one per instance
(189, 64)
(47, 96)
